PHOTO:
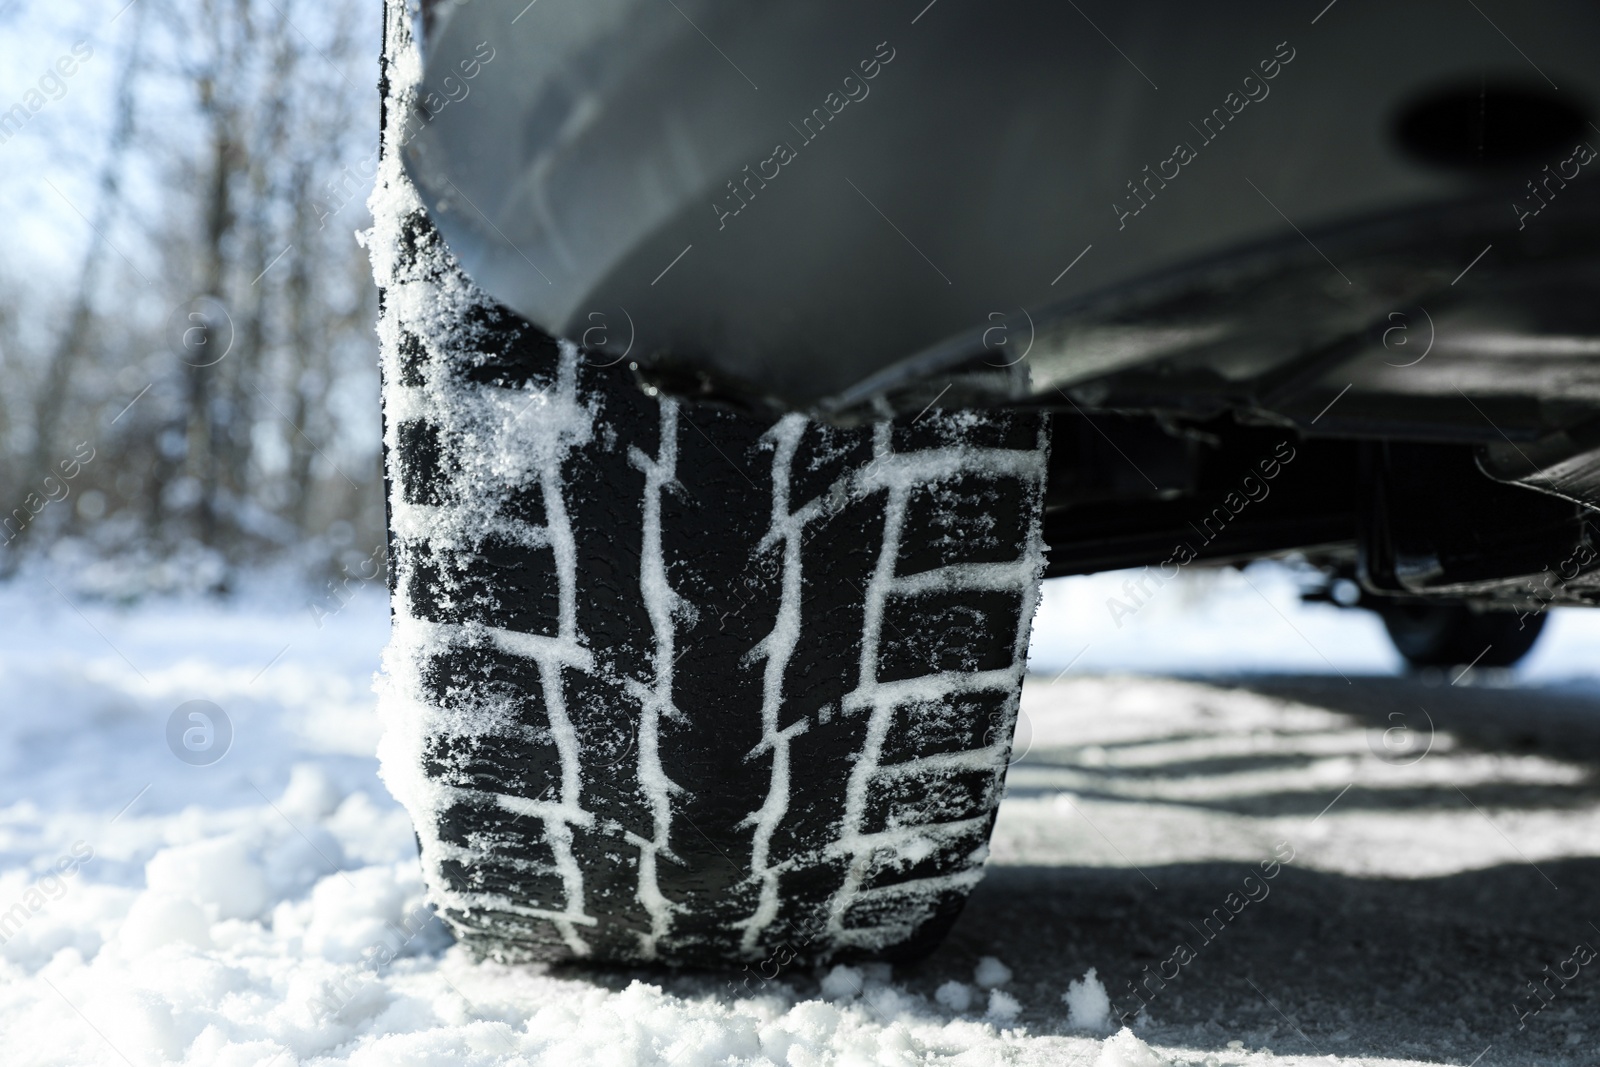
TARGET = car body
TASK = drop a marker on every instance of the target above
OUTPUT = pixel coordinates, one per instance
(1352, 244)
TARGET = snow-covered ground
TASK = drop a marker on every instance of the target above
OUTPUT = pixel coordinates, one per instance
(1231, 798)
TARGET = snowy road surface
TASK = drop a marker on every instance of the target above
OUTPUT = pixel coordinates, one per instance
(1300, 856)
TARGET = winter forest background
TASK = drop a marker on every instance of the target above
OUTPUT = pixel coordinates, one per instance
(188, 369)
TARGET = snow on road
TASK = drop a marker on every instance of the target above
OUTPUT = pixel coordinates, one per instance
(1280, 851)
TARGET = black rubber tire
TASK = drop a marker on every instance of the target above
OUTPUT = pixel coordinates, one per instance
(713, 729)
(673, 683)
(1444, 635)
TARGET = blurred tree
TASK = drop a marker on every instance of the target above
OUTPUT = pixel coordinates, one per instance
(73, 342)
(229, 175)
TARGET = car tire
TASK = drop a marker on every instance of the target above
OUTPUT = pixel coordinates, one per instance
(1445, 635)
(676, 683)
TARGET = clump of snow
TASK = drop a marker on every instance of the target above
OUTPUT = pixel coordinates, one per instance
(221, 875)
(990, 973)
(1003, 1007)
(957, 996)
(158, 919)
(311, 792)
(1088, 1005)
(842, 983)
(1122, 1049)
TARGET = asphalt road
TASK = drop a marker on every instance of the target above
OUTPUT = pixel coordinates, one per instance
(1437, 869)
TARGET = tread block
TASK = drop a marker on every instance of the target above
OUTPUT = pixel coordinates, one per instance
(902, 802)
(421, 456)
(966, 521)
(518, 765)
(958, 723)
(501, 349)
(512, 938)
(903, 914)
(947, 632)
(485, 827)
(477, 678)
(530, 888)
(497, 583)
(412, 359)
(945, 853)
(825, 455)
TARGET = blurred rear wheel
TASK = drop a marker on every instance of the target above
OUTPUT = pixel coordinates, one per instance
(1443, 635)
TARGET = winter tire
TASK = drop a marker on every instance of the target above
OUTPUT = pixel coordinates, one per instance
(674, 683)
